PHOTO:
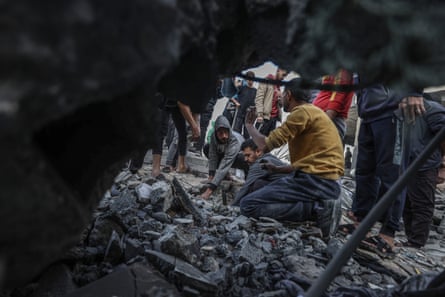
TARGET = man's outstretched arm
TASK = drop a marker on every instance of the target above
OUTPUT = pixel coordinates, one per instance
(257, 137)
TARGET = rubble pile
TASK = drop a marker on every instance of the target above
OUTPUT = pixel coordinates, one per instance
(153, 237)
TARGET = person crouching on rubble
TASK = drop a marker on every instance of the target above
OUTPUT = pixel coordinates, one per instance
(309, 192)
(223, 153)
(263, 169)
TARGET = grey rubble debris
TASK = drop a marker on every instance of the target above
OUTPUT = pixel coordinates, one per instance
(206, 248)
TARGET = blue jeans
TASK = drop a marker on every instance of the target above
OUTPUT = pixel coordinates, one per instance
(290, 198)
(376, 172)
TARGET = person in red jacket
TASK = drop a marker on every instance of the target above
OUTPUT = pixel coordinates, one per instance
(336, 104)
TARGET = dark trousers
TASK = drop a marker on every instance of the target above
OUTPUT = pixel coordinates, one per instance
(419, 206)
(376, 173)
(161, 132)
(290, 198)
(181, 127)
(204, 121)
(137, 162)
(171, 132)
(229, 114)
(239, 126)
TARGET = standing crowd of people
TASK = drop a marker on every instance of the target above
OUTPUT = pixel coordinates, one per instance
(394, 129)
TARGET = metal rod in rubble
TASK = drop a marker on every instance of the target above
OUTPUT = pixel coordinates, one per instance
(342, 256)
(234, 117)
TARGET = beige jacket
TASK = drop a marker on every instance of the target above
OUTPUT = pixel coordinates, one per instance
(264, 99)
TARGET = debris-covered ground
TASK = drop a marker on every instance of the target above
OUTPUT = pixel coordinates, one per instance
(154, 237)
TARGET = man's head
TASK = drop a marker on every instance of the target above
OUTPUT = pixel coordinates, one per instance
(223, 134)
(281, 74)
(294, 95)
(222, 129)
(250, 74)
(250, 151)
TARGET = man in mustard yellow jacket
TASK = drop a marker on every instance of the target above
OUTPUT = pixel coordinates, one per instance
(312, 186)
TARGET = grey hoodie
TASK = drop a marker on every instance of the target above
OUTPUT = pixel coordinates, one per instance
(226, 152)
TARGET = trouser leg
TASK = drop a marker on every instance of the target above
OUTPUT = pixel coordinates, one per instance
(420, 196)
(172, 150)
(180, 125)
(290, 198)
(367, 184)
(385, 134)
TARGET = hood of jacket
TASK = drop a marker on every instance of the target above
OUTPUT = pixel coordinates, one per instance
(222, 122)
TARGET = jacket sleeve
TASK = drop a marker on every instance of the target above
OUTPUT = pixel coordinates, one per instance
(280, 135)
(435, 116)
(226, 162)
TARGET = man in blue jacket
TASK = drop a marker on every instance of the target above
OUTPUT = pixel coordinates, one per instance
(262, 169)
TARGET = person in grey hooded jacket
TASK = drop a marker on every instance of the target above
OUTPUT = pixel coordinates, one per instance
(223, 153)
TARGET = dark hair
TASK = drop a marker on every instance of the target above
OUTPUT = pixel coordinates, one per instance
(250, 74)
(249, 143)
(296, 91)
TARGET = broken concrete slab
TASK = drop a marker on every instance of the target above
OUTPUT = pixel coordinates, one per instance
(179, 243)
(183, 272)
(135, 280)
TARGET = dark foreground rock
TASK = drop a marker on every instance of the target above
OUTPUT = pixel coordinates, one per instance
(133, 247)
(133, 280)
(79, 78)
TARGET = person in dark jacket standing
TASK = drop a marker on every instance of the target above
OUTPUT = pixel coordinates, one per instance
(419, 204)
(377, 167)
(223, 152)
(246, 98)
(180, 113)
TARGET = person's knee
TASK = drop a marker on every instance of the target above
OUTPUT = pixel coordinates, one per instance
(247, 208)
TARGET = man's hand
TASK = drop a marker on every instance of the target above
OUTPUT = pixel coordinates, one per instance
(250, 116)
(268, 166)
(196, 132)
(412, 107)
(237, 104)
